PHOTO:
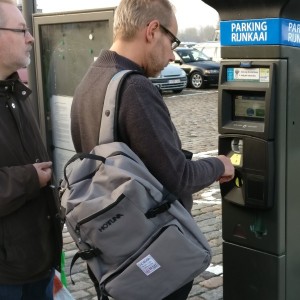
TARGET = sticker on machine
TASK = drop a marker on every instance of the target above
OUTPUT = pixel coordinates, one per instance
(148, 265)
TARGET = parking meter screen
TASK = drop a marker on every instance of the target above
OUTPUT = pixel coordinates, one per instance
(249, 107)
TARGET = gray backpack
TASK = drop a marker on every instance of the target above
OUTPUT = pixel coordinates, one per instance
(137, 238)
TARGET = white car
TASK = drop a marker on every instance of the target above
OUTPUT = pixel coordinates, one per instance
(211, 49)
(188, 44)
(171, 78)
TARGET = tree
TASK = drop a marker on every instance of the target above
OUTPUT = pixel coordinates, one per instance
(198, 35)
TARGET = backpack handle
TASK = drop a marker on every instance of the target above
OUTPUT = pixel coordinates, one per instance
(81, 156)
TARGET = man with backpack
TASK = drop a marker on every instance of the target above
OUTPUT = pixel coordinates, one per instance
(30, 234)
(144, 39)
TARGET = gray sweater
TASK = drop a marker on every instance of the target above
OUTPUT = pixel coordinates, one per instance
(144, 124)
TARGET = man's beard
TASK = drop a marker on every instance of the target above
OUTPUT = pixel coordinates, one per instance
(27, 63)
(156, 67)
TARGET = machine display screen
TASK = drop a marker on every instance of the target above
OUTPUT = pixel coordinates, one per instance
(249, 107)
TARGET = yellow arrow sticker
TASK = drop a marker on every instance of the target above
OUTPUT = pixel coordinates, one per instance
(236, 159)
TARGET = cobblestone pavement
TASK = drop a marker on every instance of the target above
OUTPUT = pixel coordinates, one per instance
(195, 117)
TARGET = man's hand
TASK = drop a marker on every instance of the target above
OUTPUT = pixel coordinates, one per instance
(229, 169)
(44, 172)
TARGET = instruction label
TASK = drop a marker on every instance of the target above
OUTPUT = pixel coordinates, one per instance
(248, 74)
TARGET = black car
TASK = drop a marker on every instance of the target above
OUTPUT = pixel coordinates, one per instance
(199, 68)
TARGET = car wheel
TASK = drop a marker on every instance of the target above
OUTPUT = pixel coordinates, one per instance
(196, 80)
(177, 91)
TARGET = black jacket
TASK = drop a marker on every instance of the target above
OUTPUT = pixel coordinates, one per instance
(30, 236)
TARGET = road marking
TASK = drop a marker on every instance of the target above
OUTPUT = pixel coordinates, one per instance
(215, 269)
(218, 201)
(191, 94)
(205, 154)
(209, 195)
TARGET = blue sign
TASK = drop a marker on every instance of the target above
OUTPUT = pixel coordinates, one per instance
(273, 31)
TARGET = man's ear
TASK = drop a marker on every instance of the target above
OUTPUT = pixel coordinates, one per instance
(151, 30)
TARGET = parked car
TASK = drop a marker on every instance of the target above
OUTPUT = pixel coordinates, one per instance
(188, 44)
(211, 49)
(200, 69)
(171, 78)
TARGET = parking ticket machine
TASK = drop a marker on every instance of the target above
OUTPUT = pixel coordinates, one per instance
(259, 126)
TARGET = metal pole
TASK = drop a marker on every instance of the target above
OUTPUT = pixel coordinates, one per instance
(29, 8)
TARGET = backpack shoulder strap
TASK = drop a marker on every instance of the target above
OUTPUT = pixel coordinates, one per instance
(109, 120)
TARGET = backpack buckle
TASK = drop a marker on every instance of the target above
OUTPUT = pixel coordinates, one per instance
(85, 255)
(88, 254)
(153, 212)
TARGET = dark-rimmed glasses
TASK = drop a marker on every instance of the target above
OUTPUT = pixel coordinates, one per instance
(25, 30)
(175, 41)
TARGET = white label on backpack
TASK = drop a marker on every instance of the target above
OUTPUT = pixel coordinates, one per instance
(148, 265)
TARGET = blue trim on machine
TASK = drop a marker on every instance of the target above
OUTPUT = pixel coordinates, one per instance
(271, 31)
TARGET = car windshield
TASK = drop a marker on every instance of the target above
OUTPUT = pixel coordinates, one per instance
(192, 55)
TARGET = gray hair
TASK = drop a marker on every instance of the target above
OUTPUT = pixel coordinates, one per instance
(131, 15)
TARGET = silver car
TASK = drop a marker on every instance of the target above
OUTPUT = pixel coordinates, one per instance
(171, 78)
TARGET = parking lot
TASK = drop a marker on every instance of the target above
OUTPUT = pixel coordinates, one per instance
(190, 91)
(194, 113)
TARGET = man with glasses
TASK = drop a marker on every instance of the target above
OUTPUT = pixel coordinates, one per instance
(144, 40)
(30, 234)
(175, 41)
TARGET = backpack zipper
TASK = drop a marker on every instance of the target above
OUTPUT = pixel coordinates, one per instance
(98, 213)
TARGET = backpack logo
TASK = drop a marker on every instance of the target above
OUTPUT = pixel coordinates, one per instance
(110, 222)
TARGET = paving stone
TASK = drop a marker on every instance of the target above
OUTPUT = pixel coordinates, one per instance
(214, 294)
(213, 282)
(80, 295)
(217, 259)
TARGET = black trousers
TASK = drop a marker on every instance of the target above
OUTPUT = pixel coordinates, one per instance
(182, 293)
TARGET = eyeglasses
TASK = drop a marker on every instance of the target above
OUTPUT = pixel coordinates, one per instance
(25, 30)
(175, 41)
